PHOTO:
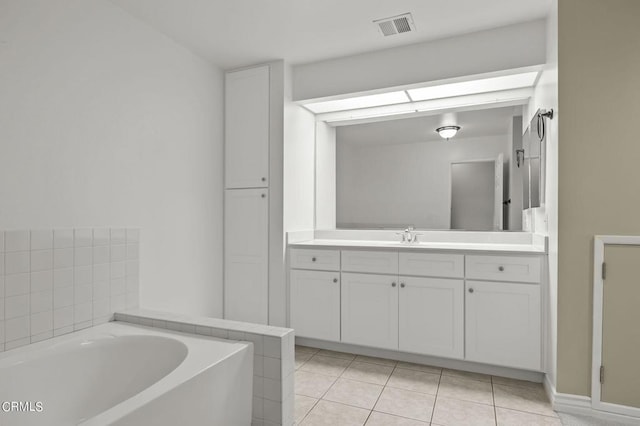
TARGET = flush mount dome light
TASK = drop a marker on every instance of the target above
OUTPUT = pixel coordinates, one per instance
(447, 132)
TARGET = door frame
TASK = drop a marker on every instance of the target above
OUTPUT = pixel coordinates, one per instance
(473, 160)
(599, 243)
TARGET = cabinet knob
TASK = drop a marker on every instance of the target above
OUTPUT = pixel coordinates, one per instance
(401, 285)
(470, 290)
(313, 259)
(393, 284)
(500, 268)
(263, 195)
(335, 280)
(264, 179)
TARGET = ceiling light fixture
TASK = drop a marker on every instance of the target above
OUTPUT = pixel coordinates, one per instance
(447, 132)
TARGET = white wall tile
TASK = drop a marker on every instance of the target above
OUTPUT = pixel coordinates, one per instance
(101, 236)
(42, 336)
(83, 237)
(82, 294)
(1, 241)
(272, 368)
(82, 313)
(16, 328)
(132, 268)
(272, 411)
(63, 297)
(42, 239)
(1, 312)
(101, 290)
(17, 343)
(118, 236)
(101, 272)
(257, 341)
(41, 260)
(258, 365)
(63, 330)
(42, 301)
(63, 317)
(133, 251)
(16, 306)
(82, 325)
(1, 263)
(63, 258)
(41, 322)
(16, 241)
(132, 300)
(258, 383)
(41, 281)
(16, 262)
(272, 389)
(82, 256)
(117, 270)
(62, 278)
(15, 285)
(271, 347)
(63, 238)
(2, 331)
(118, 302)
(133, 235)
(101, 308)
(82, 275)
(118, 253)
(101, 255)
(132, 283)
(118, 287)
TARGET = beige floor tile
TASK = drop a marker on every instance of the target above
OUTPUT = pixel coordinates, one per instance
(367, 372)
(508, 417)
(404, 403)
(383, 419)
(374, 360)
(497, 380)
(306, 349)
(303, 404)
(454, 412)
(523, 399)
(312, 384)
(414, 380)
(333, 414)
(419, 367)
(465, 389)
(326, 365)
(466, 375)
(302, 357)
(353, 392)
(334, 354)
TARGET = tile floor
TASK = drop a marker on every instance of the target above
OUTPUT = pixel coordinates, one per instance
(340, 389)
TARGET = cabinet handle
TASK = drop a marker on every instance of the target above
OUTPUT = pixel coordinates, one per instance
(335, 280)
(500, 268)
(263, 195)
(471, 290)
(313, 259)
(264, 179)
(393, 284)
(401, 285)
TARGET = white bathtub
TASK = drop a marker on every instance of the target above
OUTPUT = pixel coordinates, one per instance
(125, 374)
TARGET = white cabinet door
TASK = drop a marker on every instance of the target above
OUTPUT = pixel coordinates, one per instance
(247, 128)
(432, 316)
(246, 255)
(370, 310)
(315, 304)
(503, 324)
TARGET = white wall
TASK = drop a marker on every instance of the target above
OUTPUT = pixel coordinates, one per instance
(105, 122)
(404, 184)
(498, 49)
(546, 96)
(325, 171)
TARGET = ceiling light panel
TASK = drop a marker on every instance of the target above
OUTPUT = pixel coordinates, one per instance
(493, 84)
(391, 98)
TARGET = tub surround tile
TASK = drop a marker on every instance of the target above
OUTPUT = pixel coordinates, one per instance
(63, 238)
(41, 281)
(101, 237)
(16, 329)
(16, 262)
(63, 258)
(16, 285)
(16, 241)
(41, 260)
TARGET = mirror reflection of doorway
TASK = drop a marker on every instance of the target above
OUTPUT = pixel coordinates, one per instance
(476, 195)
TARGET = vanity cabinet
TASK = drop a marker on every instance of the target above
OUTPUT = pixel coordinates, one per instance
(315, 304)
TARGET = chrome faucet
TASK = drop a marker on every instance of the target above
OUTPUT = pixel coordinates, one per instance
(408, 235)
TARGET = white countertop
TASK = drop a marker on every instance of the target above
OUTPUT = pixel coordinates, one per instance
(461, 246)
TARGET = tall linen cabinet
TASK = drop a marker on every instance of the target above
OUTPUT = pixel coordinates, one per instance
(253, 237)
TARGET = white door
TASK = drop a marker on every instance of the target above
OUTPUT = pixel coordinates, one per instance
(498, 198)
(503, 324)
(370, 310)
(432, 316)
(246, 255)
(315, 304)
(247, 128)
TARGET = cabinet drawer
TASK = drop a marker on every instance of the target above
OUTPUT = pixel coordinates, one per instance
(378, 262)
(323, 260)
(432, 265)
(504, 268)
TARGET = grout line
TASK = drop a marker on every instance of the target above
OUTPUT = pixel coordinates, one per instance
(435, 400)
(493, 398)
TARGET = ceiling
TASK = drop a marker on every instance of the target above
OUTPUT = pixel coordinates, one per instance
(480, 123)
(233, 33)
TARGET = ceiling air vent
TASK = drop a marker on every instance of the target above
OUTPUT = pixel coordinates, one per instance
(396, 24)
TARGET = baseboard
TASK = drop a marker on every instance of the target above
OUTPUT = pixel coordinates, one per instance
(581, 405)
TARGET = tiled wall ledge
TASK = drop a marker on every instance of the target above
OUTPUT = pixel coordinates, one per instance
(273, 364)
(55, 281)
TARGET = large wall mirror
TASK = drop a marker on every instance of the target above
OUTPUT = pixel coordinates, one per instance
(396, 173)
